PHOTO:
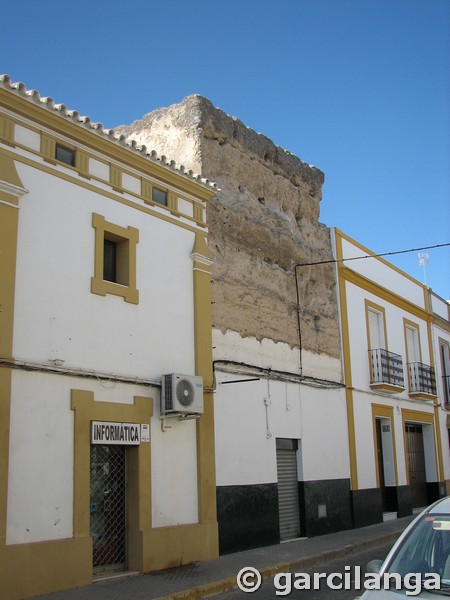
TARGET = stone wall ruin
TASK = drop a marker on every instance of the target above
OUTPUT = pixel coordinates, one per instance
(263, 222)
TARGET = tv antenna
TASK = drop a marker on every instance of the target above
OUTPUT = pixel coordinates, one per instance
(423, 260)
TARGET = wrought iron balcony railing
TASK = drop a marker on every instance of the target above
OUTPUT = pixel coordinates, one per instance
(386, 368)
(421, 379)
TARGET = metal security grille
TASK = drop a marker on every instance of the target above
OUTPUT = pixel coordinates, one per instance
(288, 504)
(416, 464)
(108, 525)
(421, 378)
(386, 367)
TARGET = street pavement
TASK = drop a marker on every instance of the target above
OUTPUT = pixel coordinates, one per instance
(219, 575)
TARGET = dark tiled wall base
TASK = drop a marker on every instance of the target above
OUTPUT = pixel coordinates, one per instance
(247, 516)
(367, 507)
(332, 498)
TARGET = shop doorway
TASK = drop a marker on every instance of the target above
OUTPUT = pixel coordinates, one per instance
(288, 500)
(108, 508)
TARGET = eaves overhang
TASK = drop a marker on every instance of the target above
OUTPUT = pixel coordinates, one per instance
(44, 111)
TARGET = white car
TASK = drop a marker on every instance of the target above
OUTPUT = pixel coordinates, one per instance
(418, 564)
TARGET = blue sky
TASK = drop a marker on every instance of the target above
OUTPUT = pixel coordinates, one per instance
(358, 88)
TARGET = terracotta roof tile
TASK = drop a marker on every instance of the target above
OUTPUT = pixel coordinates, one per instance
(48, 103)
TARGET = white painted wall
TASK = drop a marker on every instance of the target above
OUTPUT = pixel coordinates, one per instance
(440, 307)
(246, 430)
(266, 353)
(391, 279)
(325, 434)
(174, 472)
(40, 484)
(384, 274)
(387, 442)
(57, 317)
(27, 137)
(440, 334)
(359, 344)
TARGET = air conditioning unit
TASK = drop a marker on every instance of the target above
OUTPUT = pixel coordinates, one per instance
(181, 395)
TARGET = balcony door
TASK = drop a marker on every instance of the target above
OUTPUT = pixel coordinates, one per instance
(412, 344)
(376, 330)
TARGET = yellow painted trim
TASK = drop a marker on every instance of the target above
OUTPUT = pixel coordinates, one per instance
(201, 249)
(82, 163)
(378, 258)
(368, 304)
(386, 387)
(7, 127)
(416, 326)
(44, 567)
(92, 188)
(11, 188)
(385, 412)
(443, 343)
(149, 548)
(78, 134)
(347, 370)
(203, 366)
(347, 275)
(172, 202)
(387, 295)
(86, 409)
(146, 191)
(199, 213)
(436, 405)
(115, 178)
(174, 546)
(99, 286)
(82, 166)
(422, 395)
(9, 221)
(48, 148)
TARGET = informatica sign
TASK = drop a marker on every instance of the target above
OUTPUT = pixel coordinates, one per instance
(122, 434)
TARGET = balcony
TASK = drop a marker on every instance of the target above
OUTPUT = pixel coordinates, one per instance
(386, 371)
(422, 382)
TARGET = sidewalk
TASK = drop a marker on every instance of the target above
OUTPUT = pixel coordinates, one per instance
(218, 575)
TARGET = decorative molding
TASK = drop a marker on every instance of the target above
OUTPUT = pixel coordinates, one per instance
(13, 190)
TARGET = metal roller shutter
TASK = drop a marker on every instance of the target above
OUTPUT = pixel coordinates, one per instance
(288, 494)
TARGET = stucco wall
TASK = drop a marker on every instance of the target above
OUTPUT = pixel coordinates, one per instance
(262, 222)
(58, 318)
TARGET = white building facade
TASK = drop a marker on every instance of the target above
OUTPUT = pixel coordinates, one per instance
(281, 444)
(440, 310)
(393, 330)
(105, 286)
(282, 468)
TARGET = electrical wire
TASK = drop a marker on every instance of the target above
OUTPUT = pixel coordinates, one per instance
(241, 368)
(338, 260)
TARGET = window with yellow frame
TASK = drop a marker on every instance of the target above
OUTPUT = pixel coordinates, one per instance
(115, 260)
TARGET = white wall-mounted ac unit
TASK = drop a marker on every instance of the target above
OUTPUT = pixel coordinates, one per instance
(181, 395)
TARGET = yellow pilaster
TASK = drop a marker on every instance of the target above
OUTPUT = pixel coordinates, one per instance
(203, 365)
(11, 189)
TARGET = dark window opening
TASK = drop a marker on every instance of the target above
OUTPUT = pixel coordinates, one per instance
(65, 155)
(110, 261)
(159, 196)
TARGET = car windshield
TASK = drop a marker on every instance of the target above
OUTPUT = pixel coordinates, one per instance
(425, 550)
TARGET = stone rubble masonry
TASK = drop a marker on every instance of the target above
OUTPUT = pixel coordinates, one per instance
(264, 220)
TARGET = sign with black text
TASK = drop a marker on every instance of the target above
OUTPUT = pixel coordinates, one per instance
(122, 434)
